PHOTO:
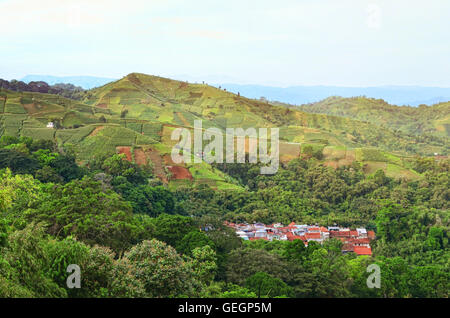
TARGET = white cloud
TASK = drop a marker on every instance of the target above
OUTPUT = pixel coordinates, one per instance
(374, 16)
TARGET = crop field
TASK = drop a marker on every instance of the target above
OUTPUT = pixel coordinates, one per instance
(106, 141)
(137, 127)
(73, 136)
(335, 153)
(14, 107)
(396, 171)
(12, 124)
(144, 140)
(73, 118)
(152, 130)
(370, 154)
(38, 133)
(166, 136)
(292, 133)
(288, 151)
(166, 117)
(2, 104)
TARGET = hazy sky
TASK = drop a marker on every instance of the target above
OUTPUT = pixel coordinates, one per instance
(283, 42)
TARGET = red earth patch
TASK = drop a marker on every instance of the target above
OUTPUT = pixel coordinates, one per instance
(180, 173)
(140, 157)
(126, 151)
(96, 130)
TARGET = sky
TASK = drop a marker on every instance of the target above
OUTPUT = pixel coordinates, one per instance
(265, 42)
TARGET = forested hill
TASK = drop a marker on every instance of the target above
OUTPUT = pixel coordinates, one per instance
(434, 120)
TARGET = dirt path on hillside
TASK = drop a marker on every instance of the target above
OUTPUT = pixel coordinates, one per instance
(30, 108)
(158, 168)
(96, 130)
(139, 157)
(183, 119)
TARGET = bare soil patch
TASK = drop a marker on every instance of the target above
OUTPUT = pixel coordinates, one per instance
(139, 157)
(180, 173)
(126, 151)
(96, 130)
(158, 167)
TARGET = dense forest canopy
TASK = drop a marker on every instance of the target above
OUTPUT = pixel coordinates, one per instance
(133, 237)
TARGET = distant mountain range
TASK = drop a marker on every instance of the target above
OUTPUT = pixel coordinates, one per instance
(296, 95)
(86, 82)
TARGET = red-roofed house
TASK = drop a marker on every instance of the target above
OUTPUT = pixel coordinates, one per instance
(361, 242)
(347, 247)
(339, 233)
(314, 237)
(371, 235)
(362, 250)
(297, 237)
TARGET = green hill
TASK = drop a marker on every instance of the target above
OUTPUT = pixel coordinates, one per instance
(136, 115)
(432, 120)
(179, 103)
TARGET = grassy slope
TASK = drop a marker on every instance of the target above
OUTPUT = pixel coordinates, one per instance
(142, 110)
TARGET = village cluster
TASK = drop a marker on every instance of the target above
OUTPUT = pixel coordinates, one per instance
(357, 240)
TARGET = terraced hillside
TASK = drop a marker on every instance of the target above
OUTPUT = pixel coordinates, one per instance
(143, 97)
(433, 120)
(137, 114)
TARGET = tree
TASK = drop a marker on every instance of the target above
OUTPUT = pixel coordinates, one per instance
(17, 161)
(26, 255)
(204, 263)
(236, 291)
(245, 262)
(264, 285)
(66, 167)
(83, 209)
(193, 240)
(161, 270)
(172, 228)
(8, 140)
(117, 165)
(145, 199)
(18, 193)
